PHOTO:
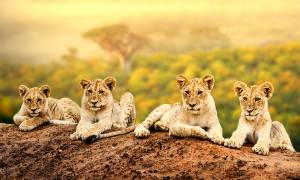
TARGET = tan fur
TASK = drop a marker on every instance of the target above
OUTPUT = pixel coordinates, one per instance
(255, 123)
(196, 113)
(38, 108)
(100, 112)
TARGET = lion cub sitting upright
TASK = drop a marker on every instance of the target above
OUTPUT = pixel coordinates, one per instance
(100, 112)
(38, 108)
(255, 123)
(193, 117)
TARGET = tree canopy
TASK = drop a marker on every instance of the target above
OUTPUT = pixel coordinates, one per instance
(152, 80)
(118, 41)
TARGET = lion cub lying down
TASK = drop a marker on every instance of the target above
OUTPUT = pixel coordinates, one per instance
(255, 124)
(191, 118)
(38, 108)
(100, 112)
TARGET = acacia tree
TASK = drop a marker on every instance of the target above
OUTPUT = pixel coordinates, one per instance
(118, 41)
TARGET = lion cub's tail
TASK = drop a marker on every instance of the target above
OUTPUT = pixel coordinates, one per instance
(61, 122)
(93, 138)
(117, 133)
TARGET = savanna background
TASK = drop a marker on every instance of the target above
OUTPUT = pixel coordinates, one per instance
(146, 43)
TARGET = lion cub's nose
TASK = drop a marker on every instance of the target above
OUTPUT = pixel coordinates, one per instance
(93, 101)
(192, 104)
(249, 110)
(33, 109)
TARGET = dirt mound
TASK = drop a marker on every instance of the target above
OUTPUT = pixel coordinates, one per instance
(48, 153)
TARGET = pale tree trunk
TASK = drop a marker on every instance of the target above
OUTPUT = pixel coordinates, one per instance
(125, 64)
(122, 62)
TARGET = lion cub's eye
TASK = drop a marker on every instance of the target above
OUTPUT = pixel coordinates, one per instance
(101, 91)
(90, 91)
(39, 100)
(245, 98)
(200, 93)
(28, 100)
(257, 99)
(187, 92)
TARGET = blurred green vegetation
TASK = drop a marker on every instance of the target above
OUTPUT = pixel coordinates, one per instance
(152, 80)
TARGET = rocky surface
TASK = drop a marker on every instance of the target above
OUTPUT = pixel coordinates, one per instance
(48, 153)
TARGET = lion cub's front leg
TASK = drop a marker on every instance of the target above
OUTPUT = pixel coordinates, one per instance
(183, 130)
(96, 129)
(238, 136)
(82, 126)
(31, 123)
(18, 119)
(142, 130)
(85, 122)
(264, 140)
(90, 134)
(262, 147)
(215, 134)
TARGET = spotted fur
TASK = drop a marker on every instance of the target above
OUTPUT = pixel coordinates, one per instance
(255, 123)
(100, 112)
(39, 108)
(196, 116)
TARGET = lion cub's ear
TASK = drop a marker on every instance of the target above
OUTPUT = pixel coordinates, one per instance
(110, 82)
(239, 87)
(45, 89)
(208, 81)
(181, 81)
(84, 83)
(267, 88)
(22, 90)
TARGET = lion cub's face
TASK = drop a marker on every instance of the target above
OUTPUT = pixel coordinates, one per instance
(98, 93)
(254, 98)
(195, 92)
(34, 99)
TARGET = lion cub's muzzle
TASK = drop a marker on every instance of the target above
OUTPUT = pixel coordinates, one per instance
(250, 114)
(95, 105)
(34, 112)
(193, 107)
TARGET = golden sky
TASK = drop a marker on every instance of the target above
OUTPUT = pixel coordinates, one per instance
(48, 27)
(39, 9)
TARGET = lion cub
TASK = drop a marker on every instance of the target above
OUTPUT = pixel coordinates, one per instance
(255, 123)
(193, 117)
(100, 112)
(38, 108)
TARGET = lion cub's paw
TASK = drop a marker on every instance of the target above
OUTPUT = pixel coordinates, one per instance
(231, 143)
(260, 149)
(141, 132)
(75, 136)
(199, 132)
(217, 139)
(25, 127)
(287, 147)
(159, 126)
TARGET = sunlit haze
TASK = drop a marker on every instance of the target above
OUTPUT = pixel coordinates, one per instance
(32, 30)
